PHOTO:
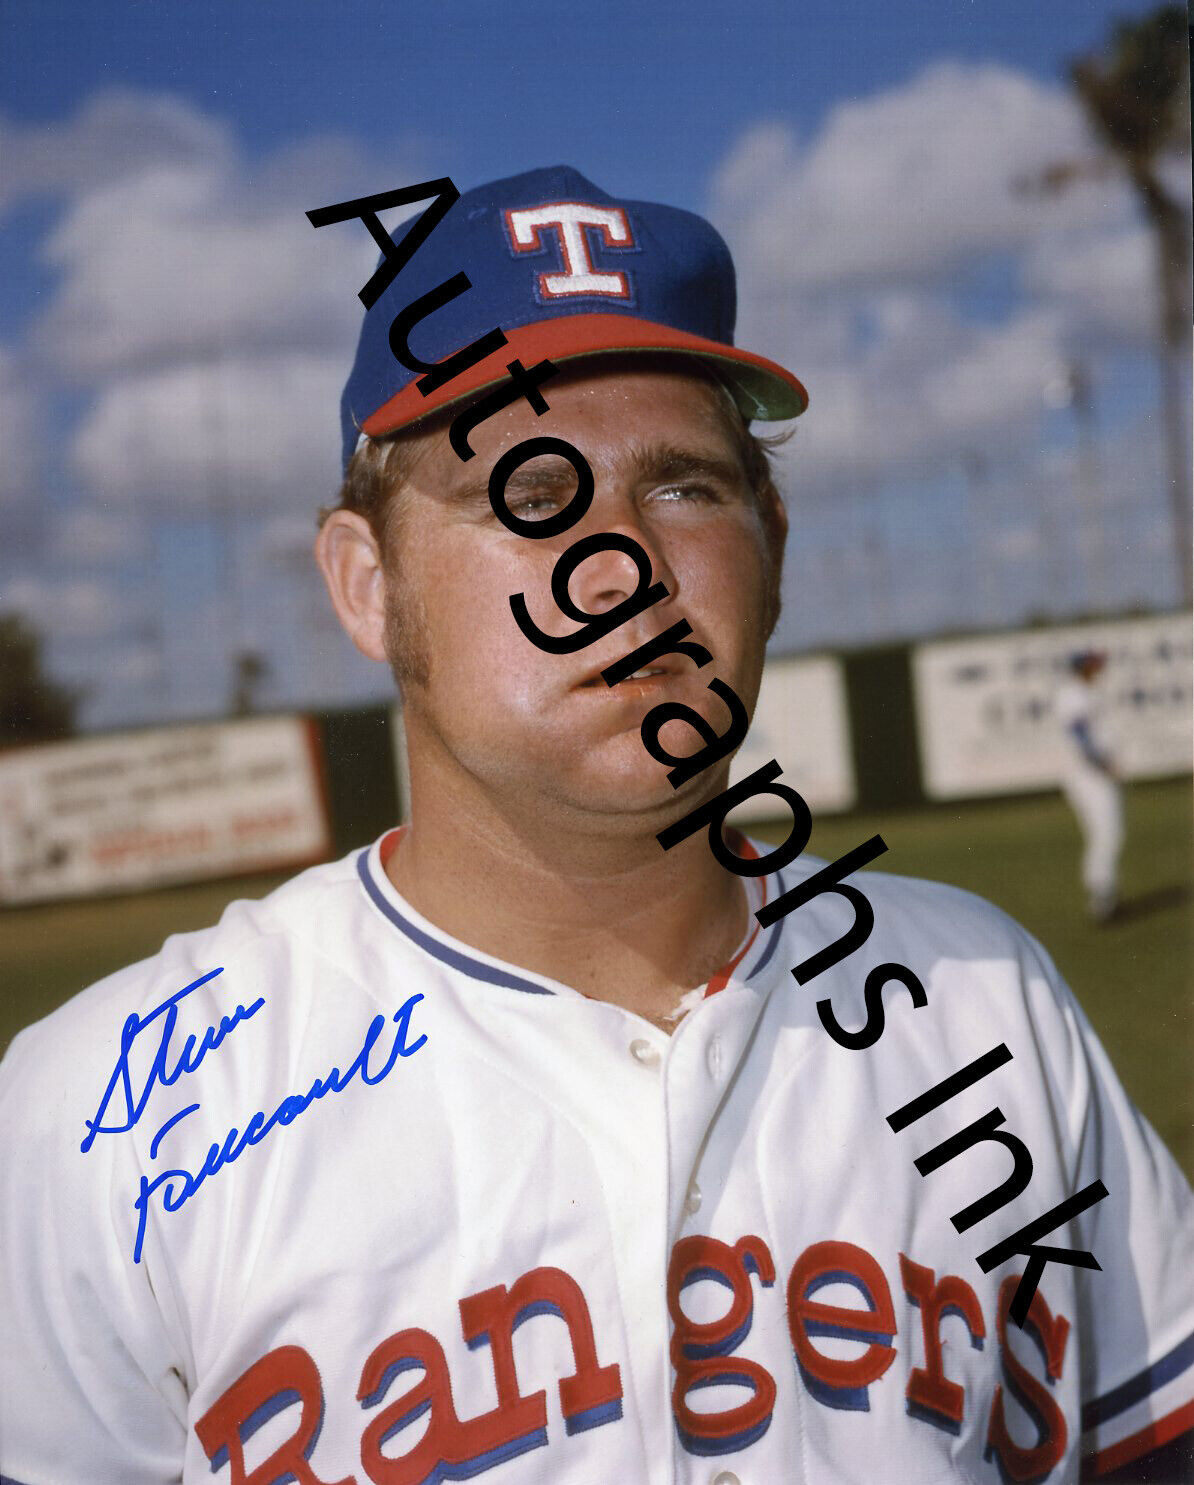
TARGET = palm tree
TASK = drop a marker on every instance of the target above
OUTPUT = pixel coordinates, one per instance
(1136, 97)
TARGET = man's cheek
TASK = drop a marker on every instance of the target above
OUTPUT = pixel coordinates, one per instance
(496, 676)
(730, 568)
(522, 692)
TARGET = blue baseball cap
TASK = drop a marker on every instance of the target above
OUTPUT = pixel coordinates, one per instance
(565, 270)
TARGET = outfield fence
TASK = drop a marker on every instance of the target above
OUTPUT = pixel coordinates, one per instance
(887, 727)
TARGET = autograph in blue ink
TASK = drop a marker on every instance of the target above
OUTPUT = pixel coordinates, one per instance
(178, 1184)
(189, 1058)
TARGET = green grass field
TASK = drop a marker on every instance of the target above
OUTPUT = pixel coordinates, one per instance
(1133, 975)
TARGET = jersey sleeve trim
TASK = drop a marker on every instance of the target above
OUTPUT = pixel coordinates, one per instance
(1120, 1398)
(1154, 1436)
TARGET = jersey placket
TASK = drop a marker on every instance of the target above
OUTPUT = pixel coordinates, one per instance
(647, 1132)
(700, 1067)
(637, 1189)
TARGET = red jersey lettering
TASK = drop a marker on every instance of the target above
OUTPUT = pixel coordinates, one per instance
(1023, 1465)
(701, 1351)
(930, 1393)
(279, 1380)
(835, 1382)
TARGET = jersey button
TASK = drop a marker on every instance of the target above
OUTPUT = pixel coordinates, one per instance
(643, 1051)
(713, 1057)
(692, 1201)
(724, 1477)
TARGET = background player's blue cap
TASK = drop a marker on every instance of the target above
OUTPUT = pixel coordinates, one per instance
(564, 270)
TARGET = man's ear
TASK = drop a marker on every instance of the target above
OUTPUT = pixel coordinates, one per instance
(349, 558)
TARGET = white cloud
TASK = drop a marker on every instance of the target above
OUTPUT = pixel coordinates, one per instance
(860, 247)
(116, 133)
(176, 246)
(928, 390)
(1105, 282)
(226, 438)
(1043, 532)
(214, 323)
(908, 182)
(998, 379)
(170, 266)
(213, 327)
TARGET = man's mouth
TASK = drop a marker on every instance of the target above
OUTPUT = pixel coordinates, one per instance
(649, 675)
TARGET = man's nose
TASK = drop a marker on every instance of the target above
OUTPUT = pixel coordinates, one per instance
(609, 576)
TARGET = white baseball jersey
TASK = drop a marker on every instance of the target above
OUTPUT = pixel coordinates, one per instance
(359, 1203)
(1080, 711)
(1094, 794)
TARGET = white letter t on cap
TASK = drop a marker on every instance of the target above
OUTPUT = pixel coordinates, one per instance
(569, 219)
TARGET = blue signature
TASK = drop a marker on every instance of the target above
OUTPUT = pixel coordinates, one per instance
(189, 1058)
(178, 1185)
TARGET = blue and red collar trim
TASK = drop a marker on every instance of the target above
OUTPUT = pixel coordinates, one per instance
(371, 868)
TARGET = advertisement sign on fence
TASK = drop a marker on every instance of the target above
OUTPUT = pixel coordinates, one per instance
(986, 714)
(801, 720)
(142, 809)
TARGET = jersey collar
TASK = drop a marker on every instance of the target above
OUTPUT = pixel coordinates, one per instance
(756, 952)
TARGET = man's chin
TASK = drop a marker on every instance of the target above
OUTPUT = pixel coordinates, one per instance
(640, 793)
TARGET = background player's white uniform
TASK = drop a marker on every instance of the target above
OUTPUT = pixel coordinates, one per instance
(554, 1244)
(1093, 792)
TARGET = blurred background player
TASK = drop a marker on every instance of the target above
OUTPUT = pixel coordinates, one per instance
(1089, 781)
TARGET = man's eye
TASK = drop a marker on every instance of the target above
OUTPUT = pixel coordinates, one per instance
(682, 494)
(534, 507)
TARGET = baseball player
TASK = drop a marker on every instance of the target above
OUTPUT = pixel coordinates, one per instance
(1089, 782)
(513, 1146)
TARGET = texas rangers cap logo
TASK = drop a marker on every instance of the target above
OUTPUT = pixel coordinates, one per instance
(563, 269)
(570, 222)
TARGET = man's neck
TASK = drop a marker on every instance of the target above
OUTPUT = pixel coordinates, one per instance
(609, 913)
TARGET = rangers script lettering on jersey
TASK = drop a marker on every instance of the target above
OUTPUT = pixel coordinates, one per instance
(558, 1244)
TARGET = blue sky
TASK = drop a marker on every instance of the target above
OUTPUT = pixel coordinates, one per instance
(160, 304)
(600, 80)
